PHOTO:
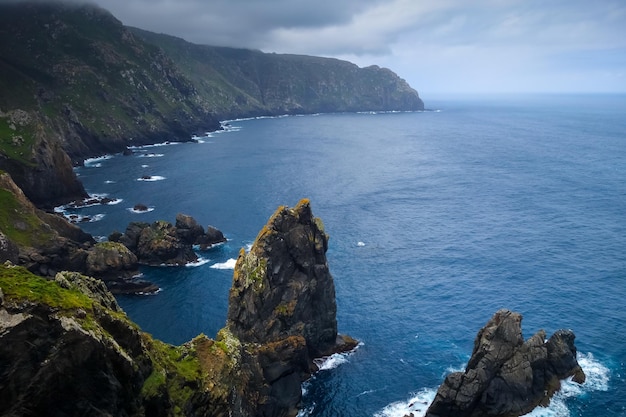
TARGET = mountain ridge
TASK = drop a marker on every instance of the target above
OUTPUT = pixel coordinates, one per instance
(77, 83)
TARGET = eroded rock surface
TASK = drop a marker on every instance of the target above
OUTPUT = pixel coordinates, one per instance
(282, 305)
(162, 243)
(507, 376)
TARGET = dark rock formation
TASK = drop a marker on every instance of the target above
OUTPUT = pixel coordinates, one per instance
(282, 306)
(66, 348)
(8, 250)
(46, 243)
(162, 243)
(116, 265)
(507, 376)
(140, 207)
(70, 356)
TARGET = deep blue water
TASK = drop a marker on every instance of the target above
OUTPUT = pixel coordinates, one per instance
(437, 220)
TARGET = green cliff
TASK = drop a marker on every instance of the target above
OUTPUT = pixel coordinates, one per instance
(76, 83)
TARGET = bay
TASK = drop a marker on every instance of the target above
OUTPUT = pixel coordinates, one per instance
(436, 219)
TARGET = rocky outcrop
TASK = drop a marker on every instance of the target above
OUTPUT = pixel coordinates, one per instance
(66, 348)
(46, 243)
(507, 376)
(282, 307)
(162, 243)
(68, 355)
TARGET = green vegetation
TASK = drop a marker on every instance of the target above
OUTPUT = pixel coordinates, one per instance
(21, 226)
(18, 284)
(177, 371)
(16, 141)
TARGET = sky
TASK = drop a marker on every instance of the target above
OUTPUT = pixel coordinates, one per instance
(438, 46)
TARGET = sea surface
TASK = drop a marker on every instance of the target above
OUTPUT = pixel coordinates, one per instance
(437, 219)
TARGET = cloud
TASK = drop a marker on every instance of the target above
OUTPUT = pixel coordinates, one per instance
(446, 45)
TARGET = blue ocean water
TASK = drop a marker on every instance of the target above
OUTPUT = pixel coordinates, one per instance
(436, 219)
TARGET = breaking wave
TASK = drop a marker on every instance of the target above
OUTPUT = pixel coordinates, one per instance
(229, 264)
(597, 380)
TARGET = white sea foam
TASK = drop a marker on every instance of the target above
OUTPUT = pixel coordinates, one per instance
(151, 178)
(201, 261)
(79, 218)
(334, 360)
(109, 182)
(150, 155)
(96, 162)
(359, 243)
(416, 405)
(229, 264)
(155, 145)
(145, 166)
(132, 210)
(597, 380)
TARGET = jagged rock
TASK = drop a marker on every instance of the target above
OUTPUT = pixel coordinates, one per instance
(163, 243)
(8, 250)
(211, 237)
(159, 244)
(69, 355)
(188, 229)
(282, 306)
(117, 266)
(505, 376)
(110, 258)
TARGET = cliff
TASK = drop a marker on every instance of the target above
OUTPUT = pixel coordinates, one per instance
(249, 82)
(76, 83)
(66, 347)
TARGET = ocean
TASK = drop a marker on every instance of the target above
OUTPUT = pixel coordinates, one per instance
(437, 219)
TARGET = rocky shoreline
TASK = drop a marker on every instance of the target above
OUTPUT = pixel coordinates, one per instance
(254, 366)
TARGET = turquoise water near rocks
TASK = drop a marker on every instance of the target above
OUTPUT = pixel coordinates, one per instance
(436, 220)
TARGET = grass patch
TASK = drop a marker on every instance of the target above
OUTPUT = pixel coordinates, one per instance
(16, 143)
(18, 284)
(21, 226)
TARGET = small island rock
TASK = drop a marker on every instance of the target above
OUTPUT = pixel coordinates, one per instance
(507, 376)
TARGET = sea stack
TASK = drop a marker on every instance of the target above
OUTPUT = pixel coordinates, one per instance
(507, 376)
(282, 305)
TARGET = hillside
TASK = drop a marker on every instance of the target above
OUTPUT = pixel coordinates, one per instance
(249, 82)
(76, 83)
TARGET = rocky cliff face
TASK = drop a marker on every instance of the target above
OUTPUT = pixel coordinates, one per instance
(87, 87)
(282, 307)
(507, 376)
(256, 83)
(66, 348)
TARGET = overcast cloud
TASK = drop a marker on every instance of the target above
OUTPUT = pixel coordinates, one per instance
(438, 46)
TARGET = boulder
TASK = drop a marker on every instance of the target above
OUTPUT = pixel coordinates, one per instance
(188, 229)
(159, 244)
(211, 237)
(507, 376)
(9, 251)
(110, 258)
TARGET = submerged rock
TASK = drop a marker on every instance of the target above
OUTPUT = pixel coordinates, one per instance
(507, 376)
